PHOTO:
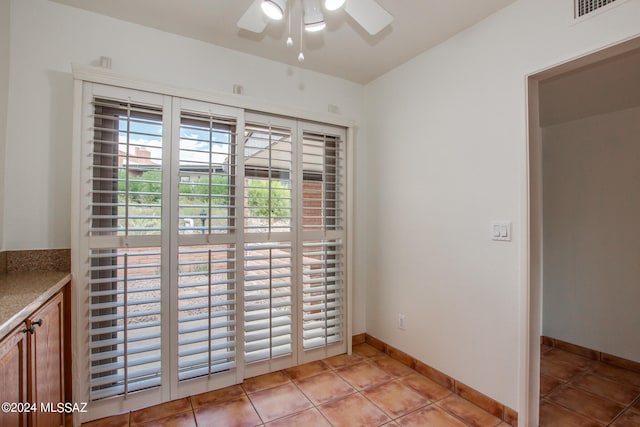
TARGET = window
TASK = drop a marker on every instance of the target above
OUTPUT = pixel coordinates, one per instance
(215, 246)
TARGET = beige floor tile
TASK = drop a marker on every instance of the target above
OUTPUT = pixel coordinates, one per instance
(263, 382)
(395, 399)
(183, 419)
(552, 415)
(604, 387)
(391, 366)
(280, 401)
(426, 387)
(121, 420)
(469, 413)
(325, 387)
(364, 375)
(353, 411)
(561, 356)
(157, 412)
(342, 360)
(430, 416)
(547, 384)
(627, 419)
(617, 374)
(217, 396)
(234, 413)
(308, 418)
(366, 351)
(587, 404)
(298, 373)
(559, 370)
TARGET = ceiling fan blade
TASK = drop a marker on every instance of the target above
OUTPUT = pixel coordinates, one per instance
(369, 14)
(253, 19)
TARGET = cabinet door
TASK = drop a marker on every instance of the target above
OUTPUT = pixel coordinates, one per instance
(13, 376)
(46, 362)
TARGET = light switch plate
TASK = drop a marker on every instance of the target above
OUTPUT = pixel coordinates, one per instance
(501, 231)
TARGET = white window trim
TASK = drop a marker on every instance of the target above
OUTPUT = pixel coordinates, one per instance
(79, 243)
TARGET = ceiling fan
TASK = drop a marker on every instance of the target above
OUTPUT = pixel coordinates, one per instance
(369, 14)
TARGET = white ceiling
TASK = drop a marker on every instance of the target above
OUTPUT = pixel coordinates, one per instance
(344, 49)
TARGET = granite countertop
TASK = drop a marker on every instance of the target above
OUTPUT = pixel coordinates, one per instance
(21, 293)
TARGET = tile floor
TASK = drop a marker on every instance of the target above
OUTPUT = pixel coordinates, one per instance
(576, 391)
(367, 388)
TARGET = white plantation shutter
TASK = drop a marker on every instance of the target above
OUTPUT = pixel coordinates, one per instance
(268, 301)
(323, 293)
(213, 246)
(125, 321)
(206, 244)
(323, 194)
(268, 164)
(206, 310)
(207, 174)
(125, 259)
(323, 181)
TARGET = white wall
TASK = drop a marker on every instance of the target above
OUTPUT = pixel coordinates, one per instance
(591, 232)
(47, 37)
(4, 89)
(448, 137)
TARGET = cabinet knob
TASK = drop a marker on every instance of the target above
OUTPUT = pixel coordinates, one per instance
(31, 328)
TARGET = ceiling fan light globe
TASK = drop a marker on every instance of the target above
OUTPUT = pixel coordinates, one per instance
(274, 9)
(333, 4)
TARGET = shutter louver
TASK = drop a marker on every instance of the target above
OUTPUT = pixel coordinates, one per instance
(207, 174)
(267, 162)
(323, 182)
(124, 314)
(323, 301)
(323, 293)
(268, 301)
(125, 281)
(126, 169)
(206, 310)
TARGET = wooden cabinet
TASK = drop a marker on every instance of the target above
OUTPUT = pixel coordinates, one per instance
(46, 362)
(32, 368)
(13, 377)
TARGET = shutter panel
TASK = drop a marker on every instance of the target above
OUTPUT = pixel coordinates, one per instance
(323, 182)
(124, 316)
(268, 163)
(207, 174)
(126, 169)
(206, 310)
(125, 281)
(323, 294)
(206, 243)
(268, 302)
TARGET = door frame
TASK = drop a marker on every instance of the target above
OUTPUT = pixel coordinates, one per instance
(531, 299)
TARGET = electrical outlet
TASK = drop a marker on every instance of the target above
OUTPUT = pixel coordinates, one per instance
(402, 322)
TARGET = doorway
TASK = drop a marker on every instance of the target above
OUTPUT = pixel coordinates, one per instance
(577, 227)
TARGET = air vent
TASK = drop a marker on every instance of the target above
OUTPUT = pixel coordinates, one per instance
(585, 7)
